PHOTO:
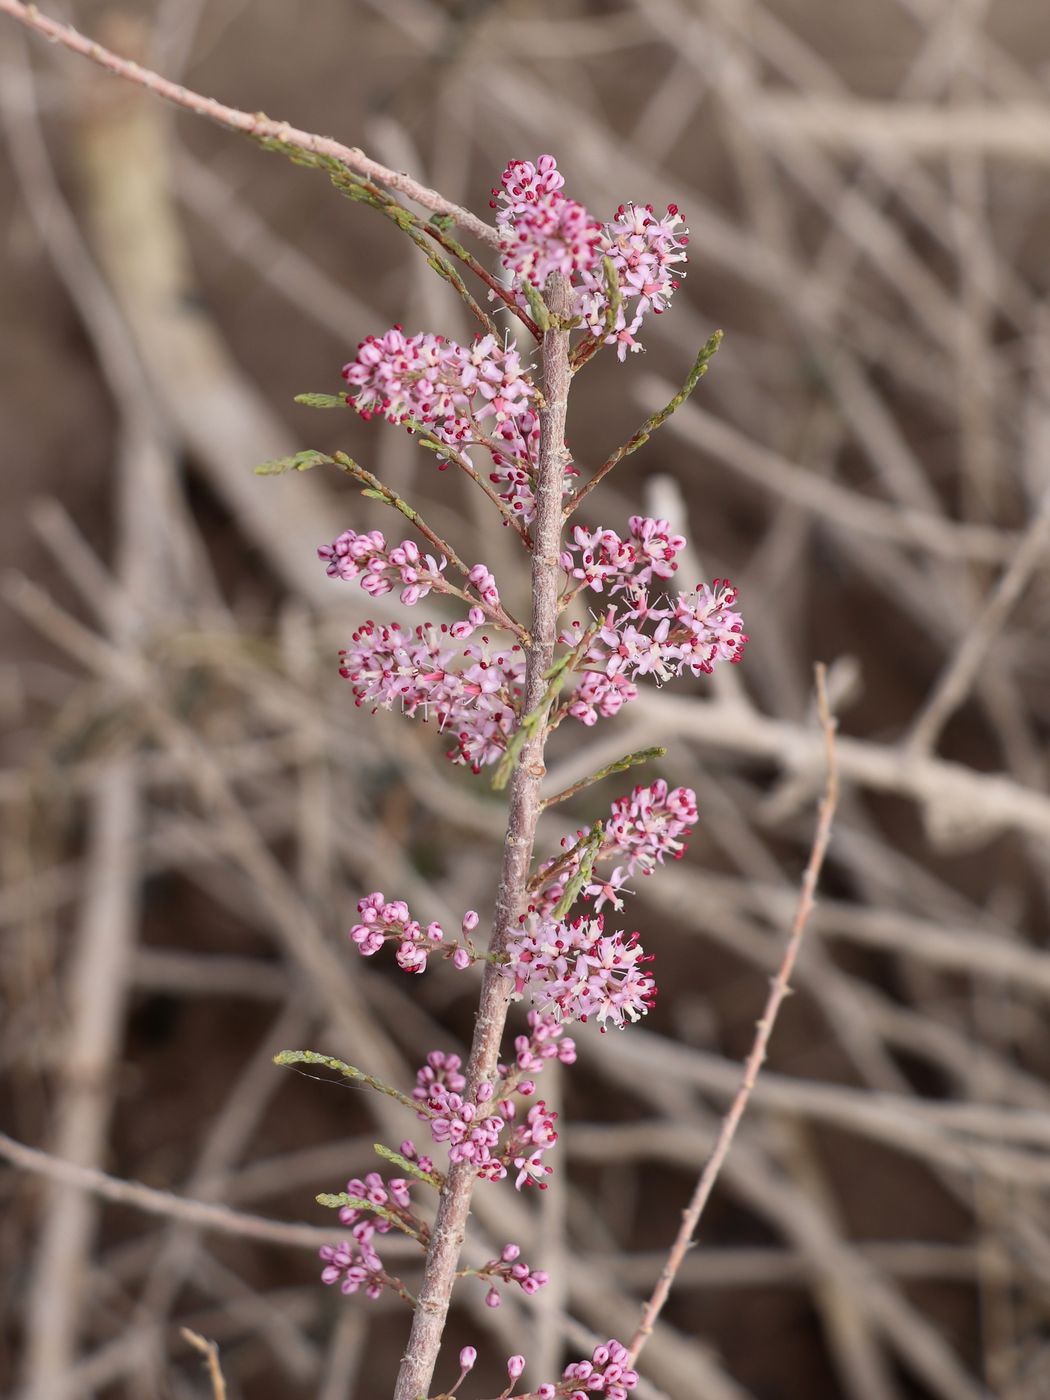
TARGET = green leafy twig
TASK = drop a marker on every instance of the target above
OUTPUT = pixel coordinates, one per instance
(380, 492)
(336, 1201)
(322, 400)
(314, 1057)
(410, 1168)
(364, 191)
(376, 490)
(621, 765)
(592, 844)
(591, 344)
(531, 722)
(439, 229)
(537, 305)
(426, 439)
(649, 426)
(297, 462)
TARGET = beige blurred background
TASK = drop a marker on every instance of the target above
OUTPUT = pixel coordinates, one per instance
(192, 805)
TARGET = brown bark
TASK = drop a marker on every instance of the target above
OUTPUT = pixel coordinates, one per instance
(446, 1240)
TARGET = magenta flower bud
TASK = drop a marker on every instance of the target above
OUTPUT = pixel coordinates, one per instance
(492, 1298)
(510, 1253)
(515, 1366)
(546, 1392)
(527, 1087)
(467, 1357)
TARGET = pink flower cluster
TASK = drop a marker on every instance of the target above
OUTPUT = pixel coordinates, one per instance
(646, 253)
(381, 568)
(528, 1142)
(441, 1072)
(465, 396)
(609, 1372)
(448, 388)
(472, 1132)
(685, 632)
(652, 822)
(473, 691)
(546, 1041)
(542, 231)
(581, 970)
(358, 1265)
(599, 559)
(511, 1268)
(384, 920)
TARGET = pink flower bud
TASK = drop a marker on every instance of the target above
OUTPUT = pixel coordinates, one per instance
(467, 1357)
(492, 1298)
(515, 1366)
(470, 921)
(461, 959)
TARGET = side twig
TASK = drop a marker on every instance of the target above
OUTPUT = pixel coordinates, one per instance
(254, 124)
(777, 993)
(200, 1214)
(210, 1352)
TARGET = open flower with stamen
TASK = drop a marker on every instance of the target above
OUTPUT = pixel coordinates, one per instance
(472, 691)
(542, 231)
(580, 970)
(693, 632)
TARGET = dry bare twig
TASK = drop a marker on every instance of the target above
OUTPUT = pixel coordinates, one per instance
(779, 989)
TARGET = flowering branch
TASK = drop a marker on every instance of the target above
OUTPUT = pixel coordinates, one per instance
(777, 993)
(500, 696)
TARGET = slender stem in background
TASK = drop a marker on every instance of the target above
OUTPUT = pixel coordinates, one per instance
(210, 1351)
(779, 989)
(255, 124)
(439, 1274)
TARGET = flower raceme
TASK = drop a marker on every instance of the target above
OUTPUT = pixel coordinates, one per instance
(473, 687)
(576, 970)
(357, 1265)
(581, 971)
(464, 397)
(473, 691)
(607, 1372)
(644, 827)
(543, 231)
